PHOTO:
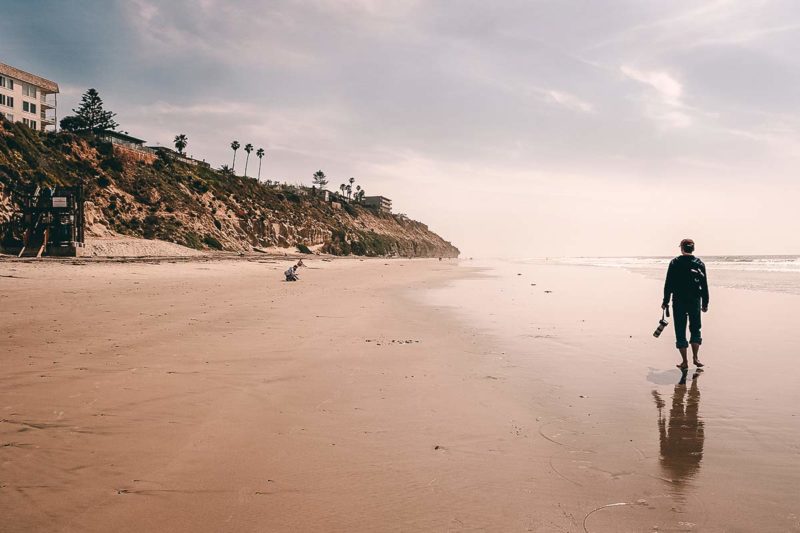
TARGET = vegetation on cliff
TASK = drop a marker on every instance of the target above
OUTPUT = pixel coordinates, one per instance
(197, 206)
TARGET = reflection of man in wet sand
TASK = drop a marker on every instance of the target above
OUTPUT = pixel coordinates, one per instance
(683, 436)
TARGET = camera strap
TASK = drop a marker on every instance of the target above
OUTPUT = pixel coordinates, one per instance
(665, 313)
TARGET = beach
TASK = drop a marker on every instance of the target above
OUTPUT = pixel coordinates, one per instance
(387, 395)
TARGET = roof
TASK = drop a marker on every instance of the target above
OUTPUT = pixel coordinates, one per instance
(163, 149)
(121, 136)
(44, 84)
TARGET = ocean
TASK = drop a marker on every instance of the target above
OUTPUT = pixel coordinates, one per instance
(774, 273)
(744, 263)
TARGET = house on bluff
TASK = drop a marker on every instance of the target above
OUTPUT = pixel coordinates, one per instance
(381, 203)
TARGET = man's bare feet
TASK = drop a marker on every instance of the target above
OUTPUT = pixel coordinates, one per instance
(698, 364)
(683, 366)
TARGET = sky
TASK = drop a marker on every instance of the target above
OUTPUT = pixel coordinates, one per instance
(512, 128)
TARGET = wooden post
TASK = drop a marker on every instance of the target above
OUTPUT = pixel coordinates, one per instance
(44, 243)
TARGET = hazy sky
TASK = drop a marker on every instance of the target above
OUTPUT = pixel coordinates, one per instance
(513, 128)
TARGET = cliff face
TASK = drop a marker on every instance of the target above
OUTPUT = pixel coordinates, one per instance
(196, 206)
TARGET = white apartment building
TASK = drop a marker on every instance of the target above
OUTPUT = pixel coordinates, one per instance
(27, 98)
(380, 203)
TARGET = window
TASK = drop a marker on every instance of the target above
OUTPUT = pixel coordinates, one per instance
(8, 83)
(29, 107)
(28, 90)
(6, 100)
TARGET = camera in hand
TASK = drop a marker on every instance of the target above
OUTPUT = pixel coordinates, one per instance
(662, 323)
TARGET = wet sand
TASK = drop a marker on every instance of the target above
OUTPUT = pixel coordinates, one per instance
(212, 396)
(717, 450)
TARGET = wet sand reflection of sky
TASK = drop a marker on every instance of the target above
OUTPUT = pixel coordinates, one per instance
(682, 435)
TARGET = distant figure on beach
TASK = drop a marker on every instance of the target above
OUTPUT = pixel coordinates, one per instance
(687, 285)
(291, 274)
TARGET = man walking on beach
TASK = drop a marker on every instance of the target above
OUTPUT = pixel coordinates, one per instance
(687, 285)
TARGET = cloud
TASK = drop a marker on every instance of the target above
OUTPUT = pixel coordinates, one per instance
(667, 105)
(526, 111)
(668, 88)
(222, 31)
(570, 101)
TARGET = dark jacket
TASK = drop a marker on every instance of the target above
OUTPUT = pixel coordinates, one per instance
(686, 280)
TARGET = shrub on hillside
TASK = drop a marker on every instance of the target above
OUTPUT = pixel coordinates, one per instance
(192, 240)
(349, 209)
(200, 186)
(111, 163)
(150, 226)
(212, 242)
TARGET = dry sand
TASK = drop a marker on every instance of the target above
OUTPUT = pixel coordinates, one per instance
(212, 396)
(133, 247)
(216, 397)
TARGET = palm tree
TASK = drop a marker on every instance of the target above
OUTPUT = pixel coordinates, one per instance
(342, 187)
(180, 142)
(235, 146)
(358, 193)
(247, 148)
(349, 189)
(259, 153)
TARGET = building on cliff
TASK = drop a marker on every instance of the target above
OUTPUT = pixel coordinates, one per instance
(381, 203)
(27, 98)
(169, 152)
(128, 147)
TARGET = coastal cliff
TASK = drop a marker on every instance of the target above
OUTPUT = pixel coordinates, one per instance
(169, 199)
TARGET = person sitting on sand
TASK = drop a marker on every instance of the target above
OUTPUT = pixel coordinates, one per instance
(291, 274)
(687, 285)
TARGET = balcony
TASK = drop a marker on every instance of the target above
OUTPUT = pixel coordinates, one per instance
(49, 102)
(47, 119)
